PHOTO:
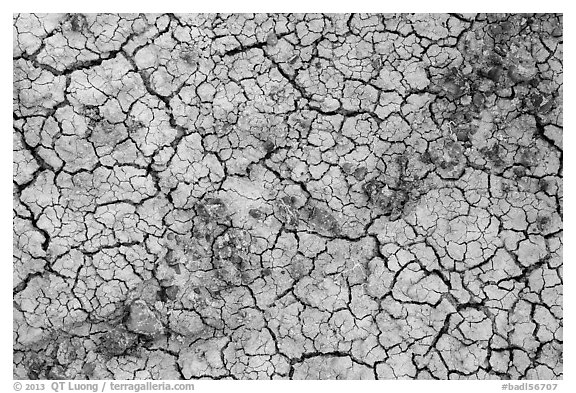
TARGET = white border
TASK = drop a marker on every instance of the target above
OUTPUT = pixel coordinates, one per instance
(567, 385)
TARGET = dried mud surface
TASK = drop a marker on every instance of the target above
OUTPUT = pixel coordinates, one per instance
(287, 196)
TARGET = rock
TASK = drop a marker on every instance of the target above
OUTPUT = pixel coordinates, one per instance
(478, 99)
(256, 213)
(495, 73)
(272, 39)
(212, 209)
(322, 219)
(360, 173)
(66, 353)
(116, 341)
(462, 136)
(142, 320)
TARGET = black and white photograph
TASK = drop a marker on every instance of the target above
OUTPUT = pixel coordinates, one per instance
(286, 196)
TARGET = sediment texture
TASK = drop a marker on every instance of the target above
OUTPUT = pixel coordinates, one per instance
(304, 196)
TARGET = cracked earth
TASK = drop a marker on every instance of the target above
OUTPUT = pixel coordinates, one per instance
(287, 196)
